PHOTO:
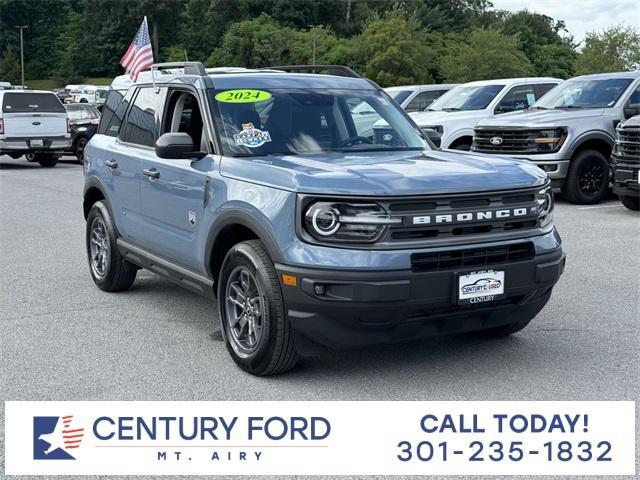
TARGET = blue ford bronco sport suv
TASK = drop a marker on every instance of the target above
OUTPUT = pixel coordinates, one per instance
(256, 187)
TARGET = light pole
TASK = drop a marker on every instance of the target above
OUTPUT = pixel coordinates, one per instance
(21, 28)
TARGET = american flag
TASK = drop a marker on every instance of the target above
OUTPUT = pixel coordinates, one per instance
(139, 55)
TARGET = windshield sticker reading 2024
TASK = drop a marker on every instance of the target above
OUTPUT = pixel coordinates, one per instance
(243, 96)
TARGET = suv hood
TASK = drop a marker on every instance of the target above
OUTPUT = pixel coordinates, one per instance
(431, 119)
(540, 118)
(384, 173)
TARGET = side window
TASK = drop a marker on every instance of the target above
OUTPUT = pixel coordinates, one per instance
(634, 99)
(183, 115)
(141, 126)
(113, 113)
(518, 98)
(423, 100)
(543, 88)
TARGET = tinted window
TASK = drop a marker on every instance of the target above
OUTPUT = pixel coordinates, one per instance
(399, 95)
(518, 98)
(423, 100)
(113, 113)
(543, 88)
(31, 102)
(183, 115)
(634, 99)
(141, 121)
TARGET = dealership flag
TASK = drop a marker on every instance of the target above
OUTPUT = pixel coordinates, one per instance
(139, 55)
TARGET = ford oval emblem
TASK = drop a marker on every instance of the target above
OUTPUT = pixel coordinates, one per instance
(35, 123)
(495, 140)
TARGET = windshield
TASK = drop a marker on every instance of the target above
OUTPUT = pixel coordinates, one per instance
(77, 112)
(585, 94)
(307, 121)
(399, 95)
(467, 97)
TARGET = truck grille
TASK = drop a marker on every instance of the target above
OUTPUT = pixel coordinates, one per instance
(627, 147)
(507, 141)
(474, 257)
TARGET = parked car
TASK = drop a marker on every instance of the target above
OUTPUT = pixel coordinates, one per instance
(91, 94)
(33, 123)
(415, 98)
(625, 161)
(61, 93)
(258, 186)
(569, 133)
(6, 86)
(84, 120)
(455, 113)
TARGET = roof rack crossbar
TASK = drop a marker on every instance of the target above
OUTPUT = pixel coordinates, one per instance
(339, 70)
(190, 68)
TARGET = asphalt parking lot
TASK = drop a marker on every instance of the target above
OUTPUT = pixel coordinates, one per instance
(63, 339)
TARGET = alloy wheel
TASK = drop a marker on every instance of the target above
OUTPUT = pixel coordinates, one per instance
(99, 247)
(244, 310)
(592, 177)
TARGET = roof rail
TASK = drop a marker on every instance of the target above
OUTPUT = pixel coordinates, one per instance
(339, 70)
(190, 68)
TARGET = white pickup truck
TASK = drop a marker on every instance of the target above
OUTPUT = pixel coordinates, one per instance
(33, 123)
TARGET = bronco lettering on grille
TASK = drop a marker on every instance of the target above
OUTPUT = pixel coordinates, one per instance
(473, 216)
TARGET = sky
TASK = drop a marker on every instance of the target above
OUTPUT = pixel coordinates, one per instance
(580, 16)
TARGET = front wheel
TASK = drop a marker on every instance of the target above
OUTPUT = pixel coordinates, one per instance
(588, 178)
(256, 329)
(632, 203)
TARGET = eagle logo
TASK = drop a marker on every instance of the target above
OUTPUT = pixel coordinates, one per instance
(56, 438)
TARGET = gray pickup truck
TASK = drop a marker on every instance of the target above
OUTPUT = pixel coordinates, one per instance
(569, 133)
(625, 163)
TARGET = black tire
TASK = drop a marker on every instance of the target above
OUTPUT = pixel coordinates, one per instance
(116, 273)
(31, 157)
(46, 160)
(78, 149)
(632, 203)
(274, 349)
(588, 179)
(503, 330)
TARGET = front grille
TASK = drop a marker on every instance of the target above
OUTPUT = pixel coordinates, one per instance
(472, 257)
(457, 217)
(627, 146)
(517, 140)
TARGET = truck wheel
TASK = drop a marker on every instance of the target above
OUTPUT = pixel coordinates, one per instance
(46, 160)
(461, 145)
(504, 330)
(110, 272)
(31, 157)
(252, 313)
(78, 149)
(588, 178)
(632, 203)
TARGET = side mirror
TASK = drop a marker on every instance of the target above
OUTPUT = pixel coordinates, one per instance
(177, 145)
(631, 110)
(432, 135)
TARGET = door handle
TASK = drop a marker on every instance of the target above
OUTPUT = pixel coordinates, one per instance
(151, 173)
(111, 164)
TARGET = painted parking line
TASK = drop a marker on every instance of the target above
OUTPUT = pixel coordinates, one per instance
(599, 206)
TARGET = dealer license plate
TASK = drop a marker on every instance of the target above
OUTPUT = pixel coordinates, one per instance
(481, 286)
(37, 143)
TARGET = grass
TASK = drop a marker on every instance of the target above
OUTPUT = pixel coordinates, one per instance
(49, 84)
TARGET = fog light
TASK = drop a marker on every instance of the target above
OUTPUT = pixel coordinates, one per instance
(319, 289)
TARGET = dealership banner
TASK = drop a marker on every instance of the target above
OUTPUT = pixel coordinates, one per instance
(320, 438)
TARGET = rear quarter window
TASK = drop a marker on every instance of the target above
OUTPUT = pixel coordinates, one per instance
(31, 102)
(113, 113)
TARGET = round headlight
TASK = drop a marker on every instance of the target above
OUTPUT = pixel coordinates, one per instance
(325, 220)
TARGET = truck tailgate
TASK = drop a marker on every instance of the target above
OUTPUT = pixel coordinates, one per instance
(35, 125)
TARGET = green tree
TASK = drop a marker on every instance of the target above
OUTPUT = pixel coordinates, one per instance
(10, 66)
(486, 54)
(68, 51)
(613, 50)
(391, 51)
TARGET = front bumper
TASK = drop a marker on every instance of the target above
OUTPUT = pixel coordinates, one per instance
(23, 145)
(626, 179)
(359, 308)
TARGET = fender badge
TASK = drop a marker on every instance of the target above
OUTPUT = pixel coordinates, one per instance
(192, 218)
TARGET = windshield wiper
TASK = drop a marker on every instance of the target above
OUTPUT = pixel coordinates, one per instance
(452, 109)
(539, 108)
(569, 107)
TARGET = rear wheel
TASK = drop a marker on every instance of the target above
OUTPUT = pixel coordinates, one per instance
(78, 149)
(632, 203)
(109, 270)
(588, 178)
(252, 312)
(46, 160)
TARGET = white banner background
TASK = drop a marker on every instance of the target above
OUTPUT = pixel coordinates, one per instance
(363, 440)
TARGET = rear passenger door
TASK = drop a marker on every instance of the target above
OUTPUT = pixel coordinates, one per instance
(136, 143)
(173, 190)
